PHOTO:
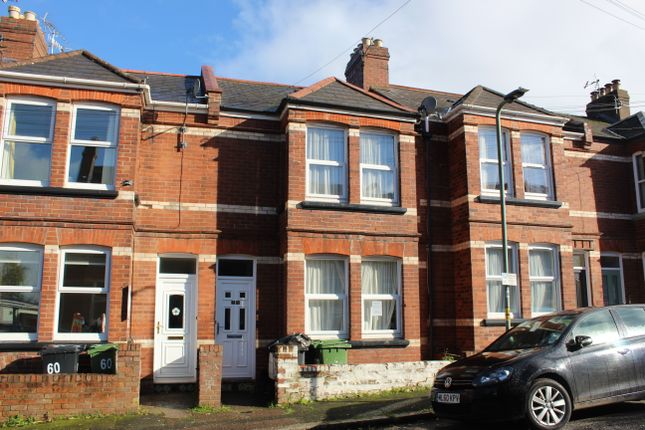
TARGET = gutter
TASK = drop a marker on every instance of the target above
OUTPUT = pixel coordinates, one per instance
(65, 81)
(508, 114)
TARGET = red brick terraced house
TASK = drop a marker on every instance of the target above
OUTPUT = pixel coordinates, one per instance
(176, 211)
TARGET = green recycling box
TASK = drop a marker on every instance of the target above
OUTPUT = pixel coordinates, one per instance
(332, 351)
(103, 358)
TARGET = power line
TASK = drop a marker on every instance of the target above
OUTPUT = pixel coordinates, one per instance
(353, 44)
(611, 14)
(630, 10)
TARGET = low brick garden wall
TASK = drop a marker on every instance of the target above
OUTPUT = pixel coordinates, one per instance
(47, 396)
(210, 376)
(294, 382)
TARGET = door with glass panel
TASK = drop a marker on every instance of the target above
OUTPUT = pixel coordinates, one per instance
(175, 354)
(580, 274)
(235, 316)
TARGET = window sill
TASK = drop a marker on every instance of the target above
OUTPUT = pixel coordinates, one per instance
(59, 192)
(379, 343)
(495, 322)
(552, 204)
(350, 207)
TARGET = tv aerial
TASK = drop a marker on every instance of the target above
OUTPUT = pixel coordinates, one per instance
(55, 39)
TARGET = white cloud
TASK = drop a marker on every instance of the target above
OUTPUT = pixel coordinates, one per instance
(551, 47)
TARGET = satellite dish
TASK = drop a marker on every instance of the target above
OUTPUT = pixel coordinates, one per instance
(428, 105)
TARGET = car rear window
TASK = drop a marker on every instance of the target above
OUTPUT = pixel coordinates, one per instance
(633, 319)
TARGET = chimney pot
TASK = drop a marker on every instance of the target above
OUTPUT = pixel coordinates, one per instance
(14, 12)
(601, 91)
(594, 95)
(367, 41)
(608, 88)
(378, 43)
(616, 84)
(30, 16)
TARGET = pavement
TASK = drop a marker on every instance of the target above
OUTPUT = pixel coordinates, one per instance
(246, 411)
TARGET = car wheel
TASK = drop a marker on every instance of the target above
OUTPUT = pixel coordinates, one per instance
(548, 405)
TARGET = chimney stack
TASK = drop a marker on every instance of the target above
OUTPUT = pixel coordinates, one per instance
(609, 103)
(21, 36)
(368, 65)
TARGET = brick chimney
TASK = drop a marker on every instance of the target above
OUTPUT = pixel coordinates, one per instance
(20, 37)
(609, 103)
(368, 65)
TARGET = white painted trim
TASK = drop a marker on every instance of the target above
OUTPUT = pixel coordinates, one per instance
(547, 166)
(342, 198)
(94, 84)
(506, 114)
(346, 112)
(246, 115)
(555, 279)
(507, 164)
(343, 333)
(396, 170)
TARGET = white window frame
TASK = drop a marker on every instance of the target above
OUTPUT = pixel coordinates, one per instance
(548, 167)
(513, 266)
(620, 268)
(24, 289)
(26, 139)
(508, 165)
(328, 334)
(555, 279)
(378, 201)
(342, 198)
(99, 144)
(382, 334)
(91, 337)
(640, 206)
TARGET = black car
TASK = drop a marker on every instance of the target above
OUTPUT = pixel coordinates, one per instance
(547, 366)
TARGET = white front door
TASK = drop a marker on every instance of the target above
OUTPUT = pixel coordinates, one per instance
(236, 326)
(175, 353)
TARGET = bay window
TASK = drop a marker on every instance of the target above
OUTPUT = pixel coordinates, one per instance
(488, 162)
(495, 290)
(20, 279)
(27, 142)
(326, 297)
(379, 176)
(381, 297)
(543, 275)
(536, 166)
(83, 294)
(92, 153)
(326, 164)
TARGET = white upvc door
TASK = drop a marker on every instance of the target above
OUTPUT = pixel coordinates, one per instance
(235, 326)
(175, 348)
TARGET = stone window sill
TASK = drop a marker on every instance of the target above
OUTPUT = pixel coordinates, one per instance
(379, 343)
(59, 192)
(350, 207)
(500, 322)
(552, 204)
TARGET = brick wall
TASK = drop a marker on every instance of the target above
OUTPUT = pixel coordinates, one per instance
(48, 396)
(295, 383)
(210, 376)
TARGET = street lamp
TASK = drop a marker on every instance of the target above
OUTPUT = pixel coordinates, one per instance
(508, 98)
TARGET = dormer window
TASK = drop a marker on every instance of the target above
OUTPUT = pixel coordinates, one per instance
(326, 164)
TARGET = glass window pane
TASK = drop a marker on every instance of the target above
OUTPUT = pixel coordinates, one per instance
(242, 319)
(634, 320)
(325, 277)
(19, 312)
(640, 168)
(82, 313)
(30, 120)
(177, 265)
(26, 161)
(378, 184)
(176, 311)
(227, 318)
(543, 297)
(610, 261)
(600, 326)
(641, 190)
(379, 314)
(488, 144)
(533, 149)
(20, 268)
(497, 298)
(231, 267)
(379, 277)
(326, 144)
(579, 260)
(91, 164)
(377, 149)
(326, 179)
(535, 180)
(541, 262)
(325, 315)
(97, 125)
(84, 270)
(611, 287)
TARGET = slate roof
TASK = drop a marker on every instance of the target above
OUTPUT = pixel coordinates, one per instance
(172, 88)
(75, 64)
(486, 97)
(598, 128)
(337, 94)
(631, 127)
(412, 97)
(253, 96)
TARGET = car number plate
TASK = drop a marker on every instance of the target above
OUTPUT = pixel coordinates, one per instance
(448, 398)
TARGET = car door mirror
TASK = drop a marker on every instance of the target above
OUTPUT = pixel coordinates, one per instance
(579, 342)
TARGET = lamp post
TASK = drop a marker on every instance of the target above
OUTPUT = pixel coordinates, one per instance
(508, 98)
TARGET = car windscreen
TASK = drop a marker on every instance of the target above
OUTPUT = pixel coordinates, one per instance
(534, 333)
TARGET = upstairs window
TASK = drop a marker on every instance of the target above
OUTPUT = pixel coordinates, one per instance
(92, 154)
(27, 142)
(379, 176)
(488, 162)
(327, 164)
(536, 166)
(639, 181)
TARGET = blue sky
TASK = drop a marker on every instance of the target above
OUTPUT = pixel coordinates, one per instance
(551, 47)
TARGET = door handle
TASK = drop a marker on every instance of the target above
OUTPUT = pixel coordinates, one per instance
(216, 323)
(623, 351)
(158, 326)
